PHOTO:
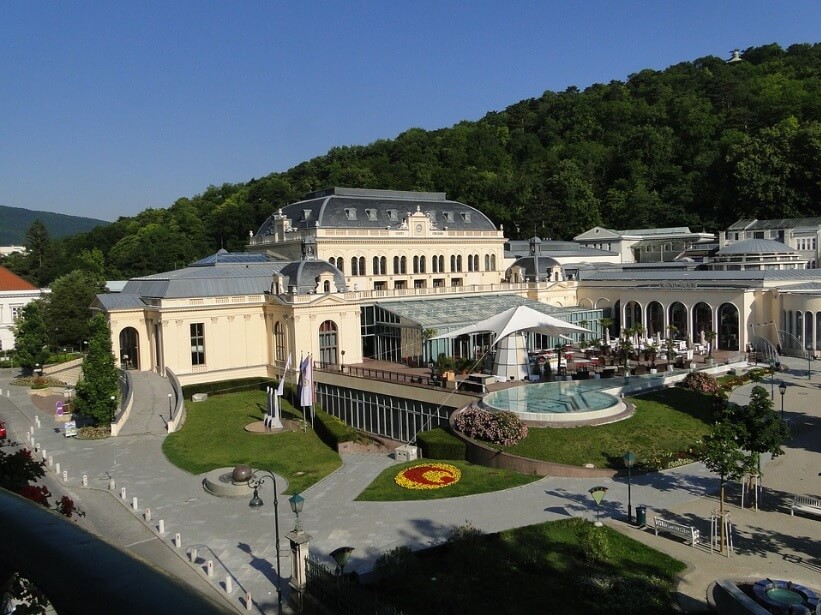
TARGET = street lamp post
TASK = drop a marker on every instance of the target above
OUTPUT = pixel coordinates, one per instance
(782, 388)
(255, 479)
(113, 408)
(170, 408)
(629, 460)
(772, 378)
(809, 361)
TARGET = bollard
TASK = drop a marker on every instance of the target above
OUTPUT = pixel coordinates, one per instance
(37, 421)
(31, 430)
(50, 461)
(111, 485)
(134, 504)
(177, 540)
(65, 476)
(122, 493)
(161, 527)
(249, 603)
(147, 515)
(209, 567)
(56, 468)
(194, 556)
(229, 584)
(85, 480)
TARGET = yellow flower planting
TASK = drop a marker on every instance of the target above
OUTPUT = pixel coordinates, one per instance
(428, 476)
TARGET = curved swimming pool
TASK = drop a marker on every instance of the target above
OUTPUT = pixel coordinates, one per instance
(576, 400)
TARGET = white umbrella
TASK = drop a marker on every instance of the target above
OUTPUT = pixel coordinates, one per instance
(520, 318)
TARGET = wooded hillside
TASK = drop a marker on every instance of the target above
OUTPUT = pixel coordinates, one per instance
(699, 144)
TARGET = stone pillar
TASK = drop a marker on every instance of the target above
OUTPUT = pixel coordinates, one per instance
(300, 542)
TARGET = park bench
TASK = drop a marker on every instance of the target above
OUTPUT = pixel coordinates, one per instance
(687, 532)
(802, 503)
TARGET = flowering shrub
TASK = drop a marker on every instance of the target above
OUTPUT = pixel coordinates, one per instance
(701, 382)
(428, 476)
(503, 428)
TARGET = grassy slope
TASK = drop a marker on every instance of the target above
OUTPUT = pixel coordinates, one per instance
(214, 436)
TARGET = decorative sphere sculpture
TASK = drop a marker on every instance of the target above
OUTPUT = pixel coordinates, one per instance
(241, 473)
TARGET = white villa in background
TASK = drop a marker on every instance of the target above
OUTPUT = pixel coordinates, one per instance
(6, 250)
(800, 234)
(648, 244)
(347, 275)
(15, 294)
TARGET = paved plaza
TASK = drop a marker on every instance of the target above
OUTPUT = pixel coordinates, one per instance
(241, 544)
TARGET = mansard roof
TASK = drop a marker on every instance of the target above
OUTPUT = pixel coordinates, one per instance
(361, 208)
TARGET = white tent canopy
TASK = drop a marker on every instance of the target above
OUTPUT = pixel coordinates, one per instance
(520, 318)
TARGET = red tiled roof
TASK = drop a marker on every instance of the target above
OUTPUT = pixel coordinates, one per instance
(11, 281)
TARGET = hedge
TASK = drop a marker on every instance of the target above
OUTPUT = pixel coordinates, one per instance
(228, 386)
(439, 443)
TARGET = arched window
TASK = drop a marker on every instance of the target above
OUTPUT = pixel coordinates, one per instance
(459, 263)
(376, 265)
(492, 262)
(396, 266)
(328, 343)
(416, 264)
(354, 266)
(326, 286)
(361, 265)
(279, 342)
(403, 265)
(441, 263)
(332, 260)
(340, 264)
(487, 262)
(383, 265)
(422, 264)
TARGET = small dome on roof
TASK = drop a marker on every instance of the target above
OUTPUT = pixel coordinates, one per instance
(756, 246)
(302, 276)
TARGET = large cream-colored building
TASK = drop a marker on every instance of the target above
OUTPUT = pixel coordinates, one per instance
(346, 275)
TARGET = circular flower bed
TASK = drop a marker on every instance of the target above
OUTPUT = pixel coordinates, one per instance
(428, 476)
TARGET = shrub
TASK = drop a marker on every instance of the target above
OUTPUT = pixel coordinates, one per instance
(502, 428)
(440, 444)
(701, 382)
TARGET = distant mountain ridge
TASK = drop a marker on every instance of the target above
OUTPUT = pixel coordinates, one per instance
(15, 221)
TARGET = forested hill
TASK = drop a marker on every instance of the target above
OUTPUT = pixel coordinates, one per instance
(15, 220)
(699, 144)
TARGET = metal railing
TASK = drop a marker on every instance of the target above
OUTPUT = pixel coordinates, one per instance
(342, 594)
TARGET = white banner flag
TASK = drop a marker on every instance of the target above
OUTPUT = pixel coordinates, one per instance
(306, 370)
(281, 387)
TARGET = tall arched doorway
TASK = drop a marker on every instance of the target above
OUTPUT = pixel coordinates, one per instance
(655, 319)
(678, 319)
(702, 318)
(129, 348)
(328, 343)
(728, 327)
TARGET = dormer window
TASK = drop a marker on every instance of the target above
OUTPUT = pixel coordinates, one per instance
(448, 216)
(306, 214)
(350, 213)
(371, 213)
(465, 216)
(393, 215)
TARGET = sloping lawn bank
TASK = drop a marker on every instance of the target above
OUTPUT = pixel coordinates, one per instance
(565, 566)
(214, 436)
(666, 425)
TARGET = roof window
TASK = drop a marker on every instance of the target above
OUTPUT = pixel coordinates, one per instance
(393, 215)
(448, 216)
(465, 216)
(371, 213)
(350, 213)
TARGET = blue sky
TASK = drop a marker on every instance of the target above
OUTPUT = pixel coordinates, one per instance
(109, 108)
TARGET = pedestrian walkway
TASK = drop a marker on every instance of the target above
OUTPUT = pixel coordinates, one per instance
(241, 543)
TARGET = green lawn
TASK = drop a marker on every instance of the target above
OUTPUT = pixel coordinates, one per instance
(565, 566)
(214, 436)
(666, 422)
(475, 479)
